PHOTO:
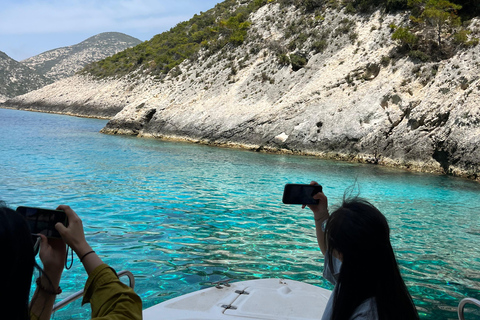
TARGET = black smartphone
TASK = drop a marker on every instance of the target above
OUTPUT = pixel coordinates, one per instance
(300, 193)
(43, 220)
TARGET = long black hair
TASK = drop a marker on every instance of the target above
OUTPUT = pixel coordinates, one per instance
(18, 261)
(360, 233)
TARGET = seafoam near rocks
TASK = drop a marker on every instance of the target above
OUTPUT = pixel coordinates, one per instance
(346, 103)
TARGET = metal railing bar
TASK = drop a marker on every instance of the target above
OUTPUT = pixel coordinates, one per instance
(461, 306)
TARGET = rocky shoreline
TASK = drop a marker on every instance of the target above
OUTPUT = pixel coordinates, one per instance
(86, 113)
(75, 96)
(347, 103)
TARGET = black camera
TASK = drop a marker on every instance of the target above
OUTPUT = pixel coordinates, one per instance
(43, 220)
(300, 193)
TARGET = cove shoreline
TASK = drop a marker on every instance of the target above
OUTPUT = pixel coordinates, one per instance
(419, 167)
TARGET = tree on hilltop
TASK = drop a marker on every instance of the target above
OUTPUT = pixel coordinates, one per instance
(438, 17)
(435, 31)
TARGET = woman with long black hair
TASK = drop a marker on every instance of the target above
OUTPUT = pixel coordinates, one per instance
(108, 296)
(360, 262)
(17, 266)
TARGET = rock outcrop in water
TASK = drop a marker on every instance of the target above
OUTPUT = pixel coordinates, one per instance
(356, 100)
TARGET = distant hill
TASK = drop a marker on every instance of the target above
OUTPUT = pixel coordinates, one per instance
(63, 62)
(17, 79)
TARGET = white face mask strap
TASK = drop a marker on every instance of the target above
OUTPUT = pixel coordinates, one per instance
(36, 246)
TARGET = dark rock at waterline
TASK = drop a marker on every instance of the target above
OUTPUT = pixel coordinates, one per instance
(73, 109)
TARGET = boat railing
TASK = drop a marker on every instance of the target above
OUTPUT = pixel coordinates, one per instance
(78, 294)
(461, 306)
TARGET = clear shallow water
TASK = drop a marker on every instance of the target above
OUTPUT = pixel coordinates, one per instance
(180, 216)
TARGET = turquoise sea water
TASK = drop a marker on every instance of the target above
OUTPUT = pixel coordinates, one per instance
(180, 216)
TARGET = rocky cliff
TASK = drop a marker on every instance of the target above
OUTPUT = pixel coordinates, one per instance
(354, 99)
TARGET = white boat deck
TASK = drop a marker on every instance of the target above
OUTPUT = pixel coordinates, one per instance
(253, 299)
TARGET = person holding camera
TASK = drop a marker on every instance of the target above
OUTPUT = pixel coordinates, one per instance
(360, 262)
(107, 295)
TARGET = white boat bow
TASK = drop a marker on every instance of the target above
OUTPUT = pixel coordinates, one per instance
(252, 299)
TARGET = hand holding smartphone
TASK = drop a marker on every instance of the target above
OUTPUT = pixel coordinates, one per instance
(300, 193)
(43, 220)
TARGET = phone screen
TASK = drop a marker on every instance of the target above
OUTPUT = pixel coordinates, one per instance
(43, 220)
(300, 194)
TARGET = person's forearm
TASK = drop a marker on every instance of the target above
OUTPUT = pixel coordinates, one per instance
(321, 216)
(89, 259)
(321, 234)
(44, 297)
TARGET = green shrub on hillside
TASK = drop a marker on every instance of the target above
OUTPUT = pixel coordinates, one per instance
(283, 59)
(462, 37)
(297, 61)
(405, 37)
(419, 55)
(319, 46)
(311, 5)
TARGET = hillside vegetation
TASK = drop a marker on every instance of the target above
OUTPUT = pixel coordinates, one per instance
(211, 30)
(435, 31)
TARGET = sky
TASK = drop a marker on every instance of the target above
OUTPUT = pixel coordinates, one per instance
(30, 27)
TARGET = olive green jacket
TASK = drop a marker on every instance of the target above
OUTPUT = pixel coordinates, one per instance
(110, 298)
